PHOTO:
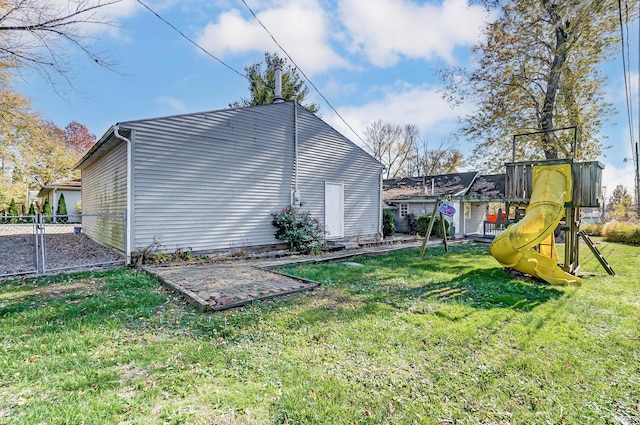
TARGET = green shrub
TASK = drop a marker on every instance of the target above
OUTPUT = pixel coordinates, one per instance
(61, 212)
(412, 224)
(388, 223)
(46, 211)
(32, 212)
(592, 229)
(13, 211)
(303, 233)
(625, 232)
(423, 224)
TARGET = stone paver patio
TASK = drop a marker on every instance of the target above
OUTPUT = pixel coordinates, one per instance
(225, 284)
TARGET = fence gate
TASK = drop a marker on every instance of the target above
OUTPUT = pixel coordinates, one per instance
(18, 246)
(44, 244)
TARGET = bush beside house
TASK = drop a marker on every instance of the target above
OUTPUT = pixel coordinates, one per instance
(388, 223)
(412, 224)
(423, 224)
(303, 232)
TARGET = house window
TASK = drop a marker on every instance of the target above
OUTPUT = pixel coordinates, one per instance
(404, 210)
(467, 210)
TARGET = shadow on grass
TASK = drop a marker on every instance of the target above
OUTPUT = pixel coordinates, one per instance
(480, 289)
(467, 276)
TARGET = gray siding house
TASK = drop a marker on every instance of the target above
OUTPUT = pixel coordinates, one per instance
(470, 193)
(210, 181)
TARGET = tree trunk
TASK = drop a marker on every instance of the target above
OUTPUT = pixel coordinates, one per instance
(553, 82)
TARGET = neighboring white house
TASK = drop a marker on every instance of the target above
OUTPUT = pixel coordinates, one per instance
(72, 197)
(469, 193)
(211, 181)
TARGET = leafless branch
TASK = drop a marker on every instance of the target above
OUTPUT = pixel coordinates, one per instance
(40, 34)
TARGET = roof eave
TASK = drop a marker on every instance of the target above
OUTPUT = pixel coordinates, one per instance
(94, 148)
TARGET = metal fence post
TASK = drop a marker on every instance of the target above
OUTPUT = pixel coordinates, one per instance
(43, 249)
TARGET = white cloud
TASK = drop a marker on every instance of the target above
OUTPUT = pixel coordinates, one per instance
(300, 27)
(388, 29)
(613, 176)
(334, 88)
(105, 18)
(177, 105)
(401, 104)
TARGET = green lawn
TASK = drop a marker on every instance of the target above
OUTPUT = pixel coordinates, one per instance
(447, 339)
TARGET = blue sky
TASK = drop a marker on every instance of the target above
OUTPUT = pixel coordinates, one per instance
(370, 62)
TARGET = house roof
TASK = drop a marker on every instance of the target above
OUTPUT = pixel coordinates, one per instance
(422, 187)
(491, 185)
(468, 185)
(60, 185)
(110, 137)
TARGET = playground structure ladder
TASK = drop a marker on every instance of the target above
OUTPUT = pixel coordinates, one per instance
(596, 252)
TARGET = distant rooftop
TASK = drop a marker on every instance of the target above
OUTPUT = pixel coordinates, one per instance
(467, 184)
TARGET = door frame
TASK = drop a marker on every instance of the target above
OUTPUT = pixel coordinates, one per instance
(327, 204)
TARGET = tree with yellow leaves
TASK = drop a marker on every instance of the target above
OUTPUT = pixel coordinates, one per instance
(537, 70)
(33, 152)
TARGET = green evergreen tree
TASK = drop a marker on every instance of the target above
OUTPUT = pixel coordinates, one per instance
(46, 211)
(13, 211)
(263, 82)
(61, 212)
(32, 212)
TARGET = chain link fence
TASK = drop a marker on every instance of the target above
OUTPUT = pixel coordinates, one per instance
(18, 246)
(44, 244)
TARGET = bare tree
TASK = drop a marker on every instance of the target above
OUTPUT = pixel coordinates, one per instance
(431, 162)
(39, 33)
(404, 154)
(391, 144)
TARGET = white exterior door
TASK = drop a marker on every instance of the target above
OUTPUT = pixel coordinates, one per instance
(334, 209)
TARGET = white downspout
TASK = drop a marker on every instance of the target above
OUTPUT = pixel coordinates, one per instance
(296, 193)
(127, 243)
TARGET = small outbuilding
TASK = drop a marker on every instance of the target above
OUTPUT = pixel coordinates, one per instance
(71, 190)
(211, 181)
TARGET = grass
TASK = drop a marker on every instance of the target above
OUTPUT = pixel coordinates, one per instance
(447, 339)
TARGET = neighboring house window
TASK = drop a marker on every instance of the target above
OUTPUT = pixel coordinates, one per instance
(467, 210)
(404, 210)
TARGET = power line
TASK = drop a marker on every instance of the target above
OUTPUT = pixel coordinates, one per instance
(191, 41)
(625, 59)
(302, 72)
(243, 75)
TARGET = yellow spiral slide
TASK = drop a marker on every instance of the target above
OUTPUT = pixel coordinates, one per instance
(515, 247)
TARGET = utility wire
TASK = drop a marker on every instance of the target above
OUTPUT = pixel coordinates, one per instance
(241, 74)
(625, 59)
(302, 72)
(191, 41)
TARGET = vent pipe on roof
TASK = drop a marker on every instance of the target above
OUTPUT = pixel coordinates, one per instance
(278, 77)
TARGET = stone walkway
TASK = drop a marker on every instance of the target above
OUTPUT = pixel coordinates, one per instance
(225, 284)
